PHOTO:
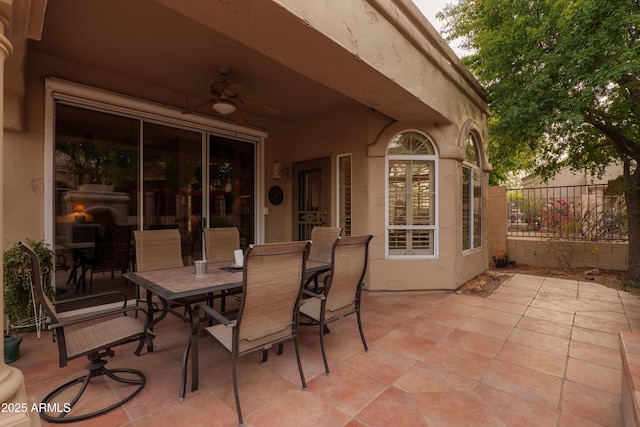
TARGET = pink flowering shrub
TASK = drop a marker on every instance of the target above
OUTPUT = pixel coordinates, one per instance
(562, 218)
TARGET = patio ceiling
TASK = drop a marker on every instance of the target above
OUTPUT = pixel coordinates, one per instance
(161, 52)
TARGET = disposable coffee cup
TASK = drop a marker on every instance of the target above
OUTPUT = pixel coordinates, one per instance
(201, 267)
(239, 256)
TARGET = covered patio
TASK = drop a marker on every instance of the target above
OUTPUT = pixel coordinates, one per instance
(538, 352)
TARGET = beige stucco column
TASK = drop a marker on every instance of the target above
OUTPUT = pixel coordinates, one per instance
(12, 388)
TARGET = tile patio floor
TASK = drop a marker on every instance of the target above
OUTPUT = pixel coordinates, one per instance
(539, 352)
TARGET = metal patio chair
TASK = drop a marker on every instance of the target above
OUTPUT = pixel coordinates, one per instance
(92, 336)
(156, 249)
(342, 291)
(220, 243)
(219, 246)
(271, 290)
(322, 239)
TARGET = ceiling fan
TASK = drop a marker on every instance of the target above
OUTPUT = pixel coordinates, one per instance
(225, 99)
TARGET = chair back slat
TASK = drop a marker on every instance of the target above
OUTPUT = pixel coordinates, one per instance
(157, 249)
(272, 287)
(349, 265)
(323, 239)
(37, 283)
(220, 243)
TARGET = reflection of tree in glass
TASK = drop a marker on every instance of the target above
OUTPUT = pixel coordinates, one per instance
(87, 163)
(220, 171)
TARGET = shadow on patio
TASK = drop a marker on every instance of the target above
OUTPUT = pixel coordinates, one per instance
(539, 352)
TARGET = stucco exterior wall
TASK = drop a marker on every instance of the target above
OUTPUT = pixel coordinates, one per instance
(341, 132)
(385, 34)
(23, 168)
(23, 188)
(347, 132)
(450, 268)
(568, 177)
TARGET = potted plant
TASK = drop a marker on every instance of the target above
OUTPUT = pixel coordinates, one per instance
(19, 307)
(500, 258)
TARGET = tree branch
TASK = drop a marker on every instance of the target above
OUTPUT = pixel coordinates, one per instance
(623, 144)
(631, 83)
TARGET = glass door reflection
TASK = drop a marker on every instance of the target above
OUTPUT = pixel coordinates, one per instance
(232, 186)
(172, 184)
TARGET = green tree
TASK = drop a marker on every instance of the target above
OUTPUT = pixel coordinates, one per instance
(563, 79)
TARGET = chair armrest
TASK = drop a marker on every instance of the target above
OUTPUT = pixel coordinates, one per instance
(312, 294)
(119, 294)
(195, 320)
(216, 315)
(96, 316)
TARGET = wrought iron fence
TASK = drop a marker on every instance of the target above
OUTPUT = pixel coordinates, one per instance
(580, 213)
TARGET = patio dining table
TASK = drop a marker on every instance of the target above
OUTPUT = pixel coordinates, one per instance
(182, 286)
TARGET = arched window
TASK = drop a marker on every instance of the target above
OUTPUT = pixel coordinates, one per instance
(411, 224)
(471, 196)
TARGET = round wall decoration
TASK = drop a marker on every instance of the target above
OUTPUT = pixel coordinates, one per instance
(276, 195)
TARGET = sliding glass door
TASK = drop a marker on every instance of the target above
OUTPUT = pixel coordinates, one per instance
(96, 195)
(116, 173)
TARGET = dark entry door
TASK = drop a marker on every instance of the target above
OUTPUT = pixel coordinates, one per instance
(311, 196)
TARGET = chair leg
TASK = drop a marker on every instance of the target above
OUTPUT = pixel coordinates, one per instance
(364, 342)
(235, 387)
(304, 383)
(194, 367)
(324, 353)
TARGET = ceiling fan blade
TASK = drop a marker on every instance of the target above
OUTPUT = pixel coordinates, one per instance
(197, 106)
(232, 89)
(259, 106)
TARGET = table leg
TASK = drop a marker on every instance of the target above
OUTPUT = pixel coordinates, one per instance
(151, 321)
(185, 356)
(185, 359)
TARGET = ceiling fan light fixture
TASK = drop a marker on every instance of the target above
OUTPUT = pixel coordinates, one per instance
(224, 107)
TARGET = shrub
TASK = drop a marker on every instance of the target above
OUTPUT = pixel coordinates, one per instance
(18, 301)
